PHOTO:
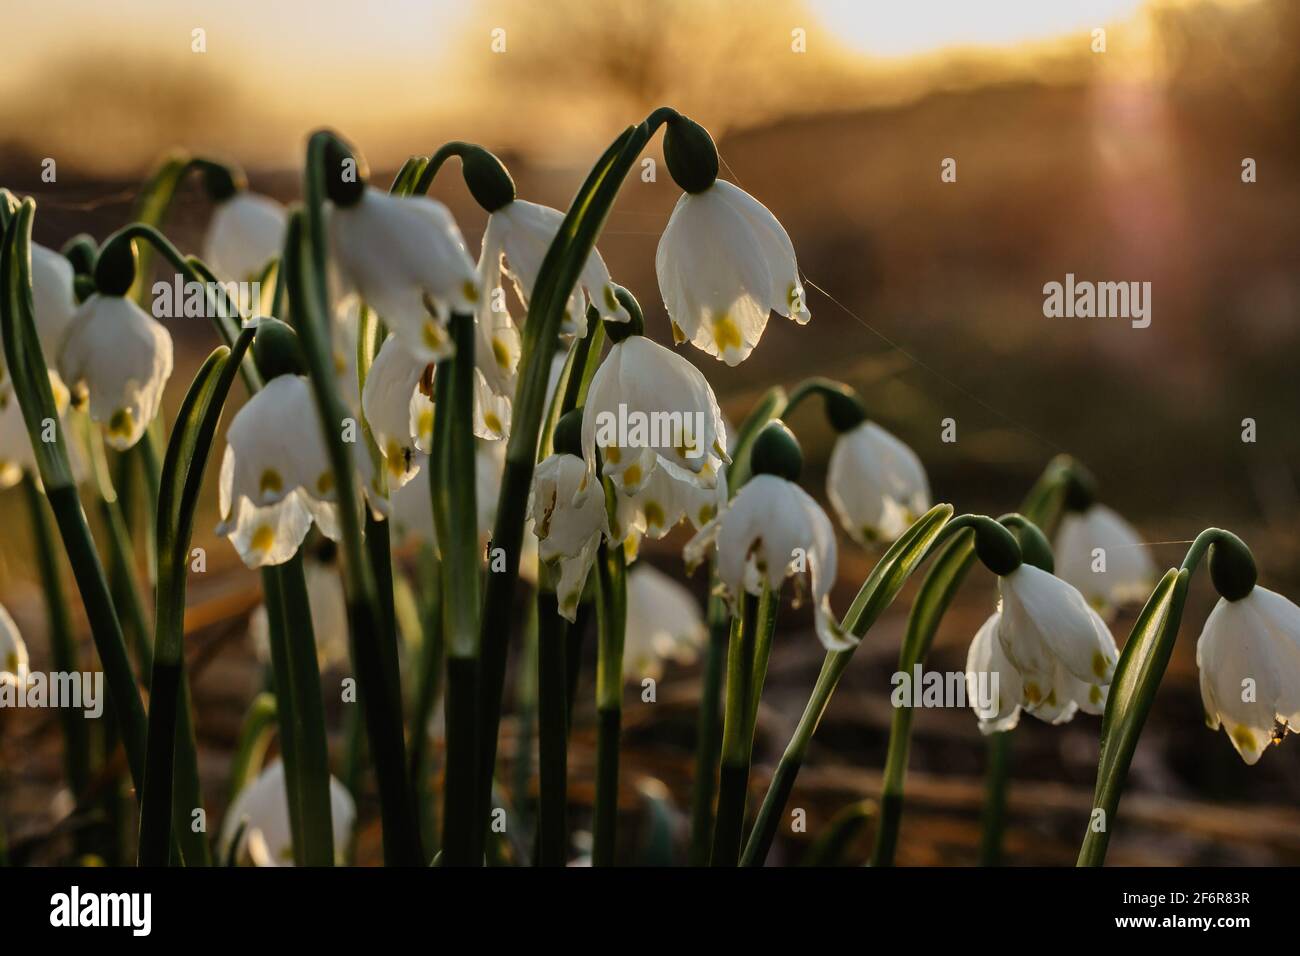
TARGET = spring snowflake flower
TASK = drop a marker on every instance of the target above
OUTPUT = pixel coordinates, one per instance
(567, 508)
(663, 623)
(660, 503)
(262, 808)
(1103, 556)
(1248, 655)
(398, 404)
(411, 506)
(123, 358)
(13, 652)
(876, 484)
(246, 233)
(724, 263)
(406, 258)
(1060, 649)
(275, 475)
(53, 299)
(646, 407)
(16, 454)
(329, 617)
(770, 531)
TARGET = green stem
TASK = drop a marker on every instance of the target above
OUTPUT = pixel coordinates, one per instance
(611, 597)
(995, 799)
(708, 746)
(553, 730)
(63, 646)
(305, 263)
(254, 741)
(282, 669)
(428, 688)
(559, 272)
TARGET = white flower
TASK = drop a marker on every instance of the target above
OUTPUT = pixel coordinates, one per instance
(772, 530)
(246, 232)
(275, 475)
(329, 617)
(398, 404)
(13, 652)
(724, 263)
(1249, 659)
(53, 299)
(660, 503)
(876, 484)
(647, 405)
(663, 623)
(412, 505)
(263, 808)
(567, 508)
(16, 454)
(406, 258)
(515, 243)
(1122, 571)
(985, 663)
(124, 359)
(1060, 647)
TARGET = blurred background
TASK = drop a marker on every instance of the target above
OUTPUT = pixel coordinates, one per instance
(1122, 165)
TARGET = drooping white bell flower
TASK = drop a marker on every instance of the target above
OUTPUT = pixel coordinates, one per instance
(876, 484)
(724, 263)
(406, 258)
(1104, 557)
(772, 529)
(16, 454)
(54, 300)
(1248, 655)
(648, 406)
(660, 503)
(262, 808)
(664, 622)
(13, 652)
(398, 404)
(567, 507)
(515, 242)
(246, 232)
(123, 357)
(992, 681)
(275, 475)
(411, 509)
(329, 617)
(1060, 646)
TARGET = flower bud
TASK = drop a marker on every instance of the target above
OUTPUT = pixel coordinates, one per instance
(1232, 567)
(618, 331)
(80, 251)
(691, 155)
(220, 182)
(487, 178)
(115, 266)
(345, 178)
(567, 439)
(996, 547)
(776, 452)
(275, 349)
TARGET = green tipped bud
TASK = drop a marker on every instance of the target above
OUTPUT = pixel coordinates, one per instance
(1034, 548)
(844, 409)
(345, 174)
(1232, 567)
(567, 439)
(996, 547)
(691, 154)
(618, 331)
(220, 181)
(83, 287)
(115, 266)
(276, 350)
(80, 251)
(776, 452)
(1080, 487)
(487, 178)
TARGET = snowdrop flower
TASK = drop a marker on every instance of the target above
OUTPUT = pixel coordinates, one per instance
(1248, 655)
(876, 484)
(1060, 647)
(663, 623)
(724, 262)
(1101, 554)
(13, 652)
(123, 358)
(985, 664)
(771, 530)
(53, 299)
(514, 245)
(275, 474)
(263, 808)
(567, 508)
(646, 407)
(398, 403)
(329, 617)
(16, 454)
(246, 232)
(660, 503)
(406, 258)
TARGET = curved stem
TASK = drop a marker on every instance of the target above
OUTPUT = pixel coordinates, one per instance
(611, 598)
